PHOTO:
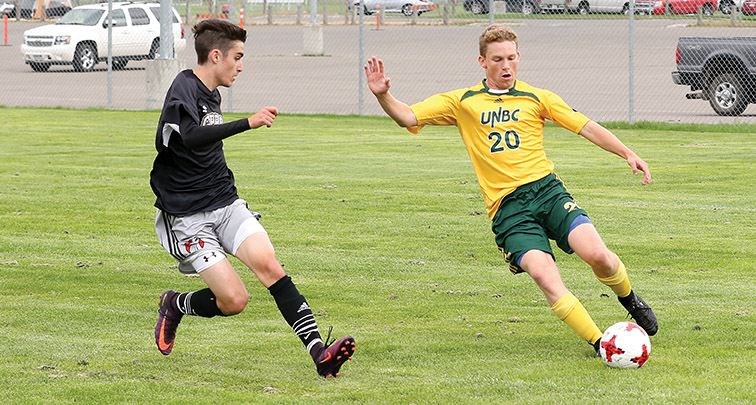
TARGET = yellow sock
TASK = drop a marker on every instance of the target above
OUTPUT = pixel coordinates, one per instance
(619, 282)
(569, 309)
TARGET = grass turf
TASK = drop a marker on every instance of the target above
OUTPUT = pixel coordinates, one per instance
(386, 236)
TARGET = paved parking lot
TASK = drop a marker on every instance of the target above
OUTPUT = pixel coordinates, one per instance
(585, 61)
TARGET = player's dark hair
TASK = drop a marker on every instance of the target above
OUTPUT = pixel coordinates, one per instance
(496, 33)
(215, 34)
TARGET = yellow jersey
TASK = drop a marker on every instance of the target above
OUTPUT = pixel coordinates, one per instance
(502, 131)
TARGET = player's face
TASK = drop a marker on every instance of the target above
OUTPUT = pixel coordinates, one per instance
(231, 64)
(500, 63)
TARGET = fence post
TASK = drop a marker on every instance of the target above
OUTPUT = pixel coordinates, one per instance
(361, 58)
(270, 14)
(299, 13)
(325, 12)
(445, 12)
(631, 64)
(699, 16)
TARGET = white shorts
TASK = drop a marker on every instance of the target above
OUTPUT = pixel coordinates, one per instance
(201, 240)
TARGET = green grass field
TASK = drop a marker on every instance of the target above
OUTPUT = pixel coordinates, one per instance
(386, 236)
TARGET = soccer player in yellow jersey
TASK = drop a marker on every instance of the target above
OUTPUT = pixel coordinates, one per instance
(501, 122)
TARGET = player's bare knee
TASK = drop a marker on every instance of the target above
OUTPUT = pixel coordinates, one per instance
(270, 268)
(603, 262)
(542, 275)
(234, 304)
(540, 280)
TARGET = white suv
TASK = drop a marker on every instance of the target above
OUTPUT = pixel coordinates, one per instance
(80, 38)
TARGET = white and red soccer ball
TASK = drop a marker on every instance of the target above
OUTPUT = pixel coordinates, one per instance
(625, 345)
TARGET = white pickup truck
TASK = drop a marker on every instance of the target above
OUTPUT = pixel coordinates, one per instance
(80, 37)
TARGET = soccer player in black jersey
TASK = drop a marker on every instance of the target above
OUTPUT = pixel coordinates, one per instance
(200, 216)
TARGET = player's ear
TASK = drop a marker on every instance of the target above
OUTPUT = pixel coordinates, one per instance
(482, 61)
(215, 56)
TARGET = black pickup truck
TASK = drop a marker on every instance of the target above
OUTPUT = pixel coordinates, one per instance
(720, 70)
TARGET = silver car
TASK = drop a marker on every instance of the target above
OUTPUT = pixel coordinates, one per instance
(597, 6)
(7, 9)
(406, 7)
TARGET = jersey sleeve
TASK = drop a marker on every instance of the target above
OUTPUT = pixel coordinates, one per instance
(195, 136)
(562, 114)
(180, 101)
(439, 109)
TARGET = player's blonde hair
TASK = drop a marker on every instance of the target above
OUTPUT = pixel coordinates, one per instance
(496, 33)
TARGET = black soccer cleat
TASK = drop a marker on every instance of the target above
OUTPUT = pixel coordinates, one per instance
(167, 323)
(333, 356)
(640, 312)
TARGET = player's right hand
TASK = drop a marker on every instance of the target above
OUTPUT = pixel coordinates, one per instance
(376, 76)
(265, 116)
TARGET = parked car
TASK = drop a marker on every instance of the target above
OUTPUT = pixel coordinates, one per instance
(728, 6)
(406, 7)
(513, 6)
(57, 8)
(598, 6)
(24, 8)
(53, 8)
(721, 70)
(80, 37)
(8, 9)
(685, 6)
(748, 7)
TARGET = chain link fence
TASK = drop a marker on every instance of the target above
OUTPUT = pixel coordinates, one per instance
(667, 60)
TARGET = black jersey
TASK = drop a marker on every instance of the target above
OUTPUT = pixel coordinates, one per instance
(190, 174)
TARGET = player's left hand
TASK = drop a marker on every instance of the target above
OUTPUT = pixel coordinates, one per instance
(638, 165)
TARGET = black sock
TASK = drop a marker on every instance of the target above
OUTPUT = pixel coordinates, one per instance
(297, 313)
(625, 301)
(201, 303)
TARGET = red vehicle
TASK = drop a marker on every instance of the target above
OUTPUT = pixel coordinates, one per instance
(748, 7)
(685, 6)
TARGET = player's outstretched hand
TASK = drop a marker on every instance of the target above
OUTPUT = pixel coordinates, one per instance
(376, 76)
(638, 165)
(265, 116)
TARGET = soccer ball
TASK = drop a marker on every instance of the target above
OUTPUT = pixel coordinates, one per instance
(625, 345)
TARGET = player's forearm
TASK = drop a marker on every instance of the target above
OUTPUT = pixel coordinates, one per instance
(400, 112)
(606, 140)
(195, 135)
